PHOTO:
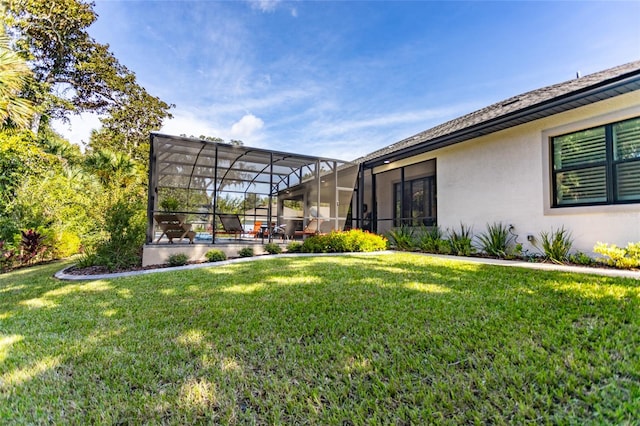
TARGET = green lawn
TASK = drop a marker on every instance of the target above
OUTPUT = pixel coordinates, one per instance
(384, 339)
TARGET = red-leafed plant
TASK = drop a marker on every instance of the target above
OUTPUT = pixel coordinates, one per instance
(31, 246)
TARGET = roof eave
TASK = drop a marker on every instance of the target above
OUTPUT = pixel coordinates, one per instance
(591, 94)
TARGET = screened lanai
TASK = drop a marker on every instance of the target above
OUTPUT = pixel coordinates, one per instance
(210, 187)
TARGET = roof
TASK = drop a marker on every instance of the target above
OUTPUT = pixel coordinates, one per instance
(514, 111)
(195, 164)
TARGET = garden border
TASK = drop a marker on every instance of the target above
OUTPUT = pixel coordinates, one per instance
(617, 273)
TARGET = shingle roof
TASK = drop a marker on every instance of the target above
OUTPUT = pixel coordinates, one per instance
(519, 109)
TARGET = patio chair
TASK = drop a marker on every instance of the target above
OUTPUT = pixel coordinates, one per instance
(231, 224)
(312, 228)
(257, 229)
(174, 226)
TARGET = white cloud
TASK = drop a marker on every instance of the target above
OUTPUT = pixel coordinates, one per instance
(246, 127)
(264, 5)
(78, 129)
(191, 123)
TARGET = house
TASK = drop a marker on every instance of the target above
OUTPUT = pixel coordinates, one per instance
(566, 155)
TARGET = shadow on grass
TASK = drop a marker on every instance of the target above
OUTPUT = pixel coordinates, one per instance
(388, 339)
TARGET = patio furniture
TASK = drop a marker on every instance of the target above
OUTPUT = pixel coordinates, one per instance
(174, 226)
(257, 229)
(231, 224)
(312, 228)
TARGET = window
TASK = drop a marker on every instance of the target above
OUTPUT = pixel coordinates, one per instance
(417, 206)
(597, 166)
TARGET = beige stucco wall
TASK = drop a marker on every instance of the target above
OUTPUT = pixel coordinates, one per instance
(505, 177)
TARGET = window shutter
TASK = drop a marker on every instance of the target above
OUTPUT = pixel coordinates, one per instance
(628, 187)
(580, 149)
(582, 186)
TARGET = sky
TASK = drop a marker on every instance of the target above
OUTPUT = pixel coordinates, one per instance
(340, 79)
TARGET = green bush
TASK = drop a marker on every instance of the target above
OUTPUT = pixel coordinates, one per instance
(354, 240)
(8, 256)
(65, 244)
(556, 245)
(273, 248)
(495, 241)
(431, 240)
(402, 238)
(580, 258)
(246, 252)
(178, 259)
(460, 241)
(215, 255)
(619, 257)
(126, 227)
(294, 247)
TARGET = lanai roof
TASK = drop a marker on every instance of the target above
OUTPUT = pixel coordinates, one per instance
(516, 110)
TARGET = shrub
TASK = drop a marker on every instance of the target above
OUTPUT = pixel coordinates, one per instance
(246, 252)
(178, 259)
(402, 238)
(431, 240)
(354, 240)
(294, 247)
(65, 244)
(580, 258)
(460, 241)
(624, 258)
(496, 240)
(556, 245)
(215, 255)
(273, 248)
(126, 226)
(364, 241)
(7, 256)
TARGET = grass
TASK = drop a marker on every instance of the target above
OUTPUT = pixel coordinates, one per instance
(387, 339)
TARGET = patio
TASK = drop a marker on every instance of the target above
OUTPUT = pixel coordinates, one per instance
(276, 196)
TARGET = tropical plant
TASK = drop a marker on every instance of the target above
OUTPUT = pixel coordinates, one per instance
(31, 245)
(556, 244)
(495, 241)
(15, 111)
(402, 238)
(431, 240)
(460, 241)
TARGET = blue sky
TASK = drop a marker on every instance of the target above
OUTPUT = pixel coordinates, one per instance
(341, 79)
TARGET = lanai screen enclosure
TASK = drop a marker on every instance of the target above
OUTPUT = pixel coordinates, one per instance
(200, 179)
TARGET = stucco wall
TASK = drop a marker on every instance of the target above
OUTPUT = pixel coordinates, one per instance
(505, 177)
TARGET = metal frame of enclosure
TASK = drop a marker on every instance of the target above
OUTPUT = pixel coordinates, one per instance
(200, 179)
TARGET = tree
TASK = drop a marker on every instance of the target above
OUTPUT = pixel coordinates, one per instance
(128, 124)
(73, 72)
(113, 169)
(15, 110)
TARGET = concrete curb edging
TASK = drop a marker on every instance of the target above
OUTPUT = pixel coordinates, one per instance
(617, 273)
(62, 275)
